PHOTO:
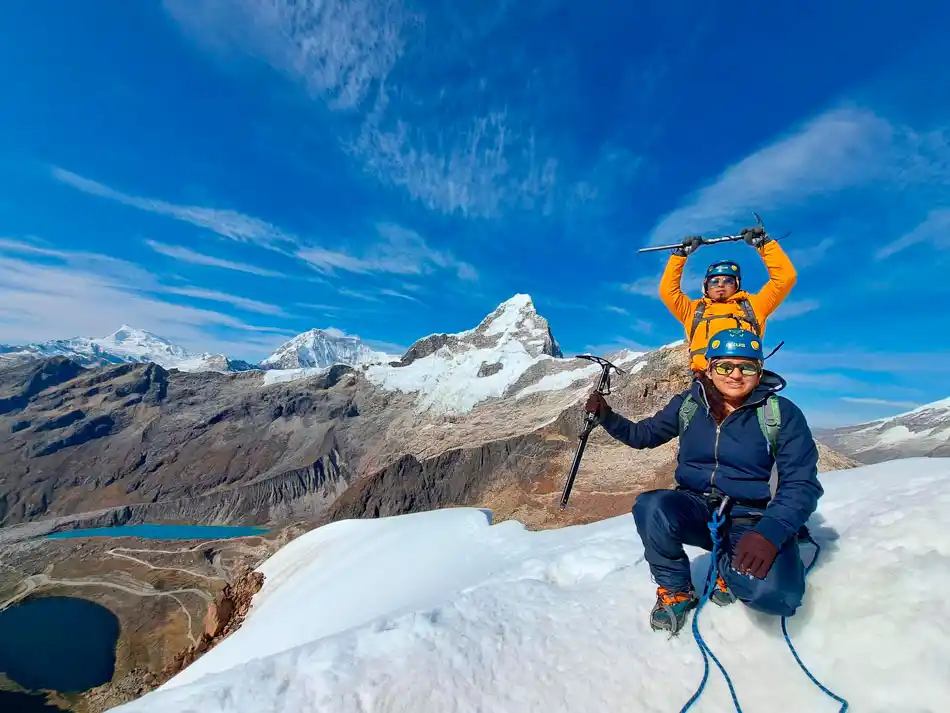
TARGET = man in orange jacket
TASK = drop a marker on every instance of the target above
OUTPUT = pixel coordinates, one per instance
(724, 303)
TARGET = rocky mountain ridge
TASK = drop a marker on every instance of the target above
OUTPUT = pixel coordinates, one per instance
(923, 431)
(136, 442)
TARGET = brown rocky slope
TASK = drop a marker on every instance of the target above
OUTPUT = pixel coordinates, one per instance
(136, 443)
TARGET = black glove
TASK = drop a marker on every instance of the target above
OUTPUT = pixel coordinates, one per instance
(691, 243)
(754, 555)
(756, 237)
(597, 405)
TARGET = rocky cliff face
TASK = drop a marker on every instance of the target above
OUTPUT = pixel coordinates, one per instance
(135, 442)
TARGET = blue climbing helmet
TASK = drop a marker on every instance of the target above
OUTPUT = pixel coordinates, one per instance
(724, 267)
(734, 343)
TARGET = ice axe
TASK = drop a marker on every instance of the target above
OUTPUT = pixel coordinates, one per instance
(709, 241)
(590, 421)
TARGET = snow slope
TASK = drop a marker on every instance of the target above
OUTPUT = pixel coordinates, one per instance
(440, 612)
(126, 344)
(319, 349)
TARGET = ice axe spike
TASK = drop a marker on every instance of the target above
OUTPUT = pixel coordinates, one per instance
(590, 421)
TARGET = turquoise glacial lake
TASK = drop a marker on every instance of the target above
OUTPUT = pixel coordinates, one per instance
(165, 532)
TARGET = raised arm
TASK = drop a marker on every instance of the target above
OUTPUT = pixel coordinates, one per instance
(673, 297)
(782, 278)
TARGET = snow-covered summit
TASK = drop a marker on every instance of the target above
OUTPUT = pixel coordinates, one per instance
(126, 344)
(320, 348)
(454, 372)
(516, 319)
(441, 611)
(923, 431)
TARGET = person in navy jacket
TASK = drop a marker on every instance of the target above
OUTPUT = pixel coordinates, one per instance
(724, 452)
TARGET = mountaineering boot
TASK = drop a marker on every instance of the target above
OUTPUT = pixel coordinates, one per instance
(671, 609)
(721, 595)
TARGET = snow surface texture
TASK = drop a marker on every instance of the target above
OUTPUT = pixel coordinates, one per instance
(513, 337)
(440, 612)
(126, 344)
(320, 348)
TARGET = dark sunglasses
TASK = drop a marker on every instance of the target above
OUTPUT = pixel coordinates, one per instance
(717, 281)
(746, 368)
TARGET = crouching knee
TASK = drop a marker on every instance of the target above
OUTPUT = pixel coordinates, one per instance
(650, 510)
(773, 595)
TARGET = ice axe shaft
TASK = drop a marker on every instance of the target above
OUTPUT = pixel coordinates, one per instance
(705, 241)
(709, 241)
(590, 422)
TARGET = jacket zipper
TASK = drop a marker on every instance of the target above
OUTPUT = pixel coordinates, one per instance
(712, 476)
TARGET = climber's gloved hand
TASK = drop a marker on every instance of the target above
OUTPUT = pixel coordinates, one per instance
(754, 555)
(756, 237)
(597, 405)
(690, 244)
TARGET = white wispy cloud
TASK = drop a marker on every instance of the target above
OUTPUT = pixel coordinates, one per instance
(841, 148)
(234, 300)
(226, 223)
(615, 308)
(340, 50)
(803, 257)
(397, 250)
(184, 254)
(344, 53)
(934, 229)
(794, 308)
(41, 301)
(475, 167)
(398, 295)
(879, 402)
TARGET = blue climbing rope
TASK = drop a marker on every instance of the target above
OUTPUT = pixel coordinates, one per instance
(823, 689)
(715, 524)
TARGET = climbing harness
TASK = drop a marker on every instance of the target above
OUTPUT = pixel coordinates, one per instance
(715, 524)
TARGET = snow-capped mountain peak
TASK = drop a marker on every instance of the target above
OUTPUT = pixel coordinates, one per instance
(321, 348)
(454, 372)
(126, 344)
(143, 345)
(923, 431)
(516, 318)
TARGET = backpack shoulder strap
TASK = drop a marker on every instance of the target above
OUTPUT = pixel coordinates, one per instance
(686, 412)
(697, 318)
(770, 421)
(750, 315)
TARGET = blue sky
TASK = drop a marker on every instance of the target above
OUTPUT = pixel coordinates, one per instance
(228, 173)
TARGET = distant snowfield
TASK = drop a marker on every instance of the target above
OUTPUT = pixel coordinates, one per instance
(439, 611)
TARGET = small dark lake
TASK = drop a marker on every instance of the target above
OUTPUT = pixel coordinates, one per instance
(61, 643)
(165, 532)
(25, 703)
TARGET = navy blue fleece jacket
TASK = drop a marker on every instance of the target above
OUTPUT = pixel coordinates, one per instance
(734, 456)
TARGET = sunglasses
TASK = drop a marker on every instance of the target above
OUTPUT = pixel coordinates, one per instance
(746, 368)
(721, 281)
